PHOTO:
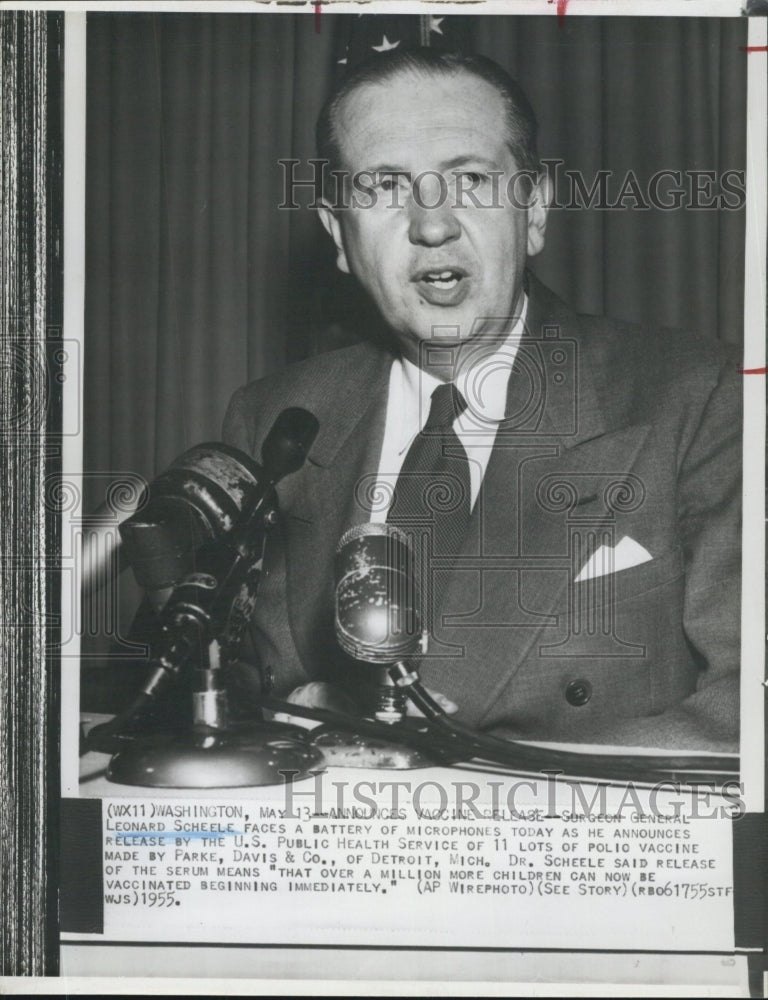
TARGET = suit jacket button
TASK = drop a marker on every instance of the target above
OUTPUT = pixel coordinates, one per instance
(578, 693)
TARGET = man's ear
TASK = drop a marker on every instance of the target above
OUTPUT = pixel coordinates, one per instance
(541, 198)
(332, 226)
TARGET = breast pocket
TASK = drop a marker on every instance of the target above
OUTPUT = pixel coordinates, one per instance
(625, 584)
(620, 614)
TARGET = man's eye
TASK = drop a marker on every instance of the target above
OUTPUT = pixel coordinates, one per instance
(388, 182)
(473, 177)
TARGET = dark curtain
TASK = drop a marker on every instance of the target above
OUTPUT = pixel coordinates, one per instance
(643, 94)
(198, 282)
(187, 252)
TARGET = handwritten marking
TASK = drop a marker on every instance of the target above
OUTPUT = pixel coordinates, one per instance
(562, 7)
(753, 48)
(751, 371)
(318, 11)
(171, 834)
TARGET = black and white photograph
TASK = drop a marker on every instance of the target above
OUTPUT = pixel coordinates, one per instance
(410, 505)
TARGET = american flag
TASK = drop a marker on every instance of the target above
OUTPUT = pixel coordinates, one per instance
(366, 34)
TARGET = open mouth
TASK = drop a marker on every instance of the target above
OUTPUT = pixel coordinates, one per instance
(442, 279)
(445, 286)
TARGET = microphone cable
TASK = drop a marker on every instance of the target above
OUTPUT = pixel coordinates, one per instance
(443, 737)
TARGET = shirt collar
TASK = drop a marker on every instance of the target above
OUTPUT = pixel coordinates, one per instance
(483, 384)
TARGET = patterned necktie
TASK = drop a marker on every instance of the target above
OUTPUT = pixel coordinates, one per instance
(432, 498)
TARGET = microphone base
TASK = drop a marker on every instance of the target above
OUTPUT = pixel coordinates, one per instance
(252, 754)
(345, 749)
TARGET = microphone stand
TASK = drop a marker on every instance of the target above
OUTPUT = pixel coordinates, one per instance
(204, 617)
(378, 623)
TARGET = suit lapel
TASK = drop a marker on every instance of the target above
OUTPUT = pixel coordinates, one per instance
(322, 501)
(551, 464)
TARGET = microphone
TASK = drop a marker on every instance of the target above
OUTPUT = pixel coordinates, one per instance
(378, 608)
(204, 600)
(201, 533)
(197, 499)
(378, 604)
(203, 620)
(287, 444)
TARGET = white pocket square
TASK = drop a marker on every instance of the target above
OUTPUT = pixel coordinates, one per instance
(607, 559)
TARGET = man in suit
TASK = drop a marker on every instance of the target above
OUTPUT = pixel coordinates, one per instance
(594, 592)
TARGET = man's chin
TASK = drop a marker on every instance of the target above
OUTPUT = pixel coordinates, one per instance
(436, 346)
(445, 327)
(453, 331)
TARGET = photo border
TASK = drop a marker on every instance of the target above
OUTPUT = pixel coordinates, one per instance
(31, 741)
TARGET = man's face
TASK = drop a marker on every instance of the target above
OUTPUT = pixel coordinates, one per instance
(436, 232)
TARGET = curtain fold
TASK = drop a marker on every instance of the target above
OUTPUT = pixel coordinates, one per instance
(198, 282)
(188, 254)
(639, 94)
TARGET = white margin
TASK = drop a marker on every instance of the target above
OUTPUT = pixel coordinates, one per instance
(72, 444)
(646, 8)
(753, 596)
(753, 693)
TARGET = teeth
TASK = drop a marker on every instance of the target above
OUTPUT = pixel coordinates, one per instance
(443, 279)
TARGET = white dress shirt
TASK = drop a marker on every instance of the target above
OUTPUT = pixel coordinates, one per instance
(483, 384)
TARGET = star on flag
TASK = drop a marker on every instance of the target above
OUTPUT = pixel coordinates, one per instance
(385, 46)
(369, 35)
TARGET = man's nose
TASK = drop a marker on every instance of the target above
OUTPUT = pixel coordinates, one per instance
(431, 218)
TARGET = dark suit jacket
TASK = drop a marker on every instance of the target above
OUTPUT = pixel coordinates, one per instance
(611, 431)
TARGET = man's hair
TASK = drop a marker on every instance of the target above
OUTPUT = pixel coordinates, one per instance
(520, 119)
